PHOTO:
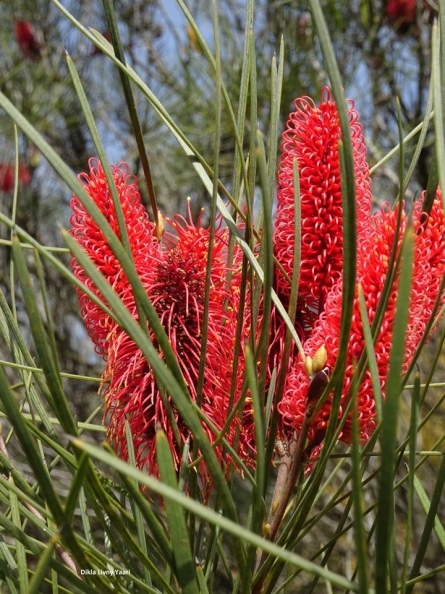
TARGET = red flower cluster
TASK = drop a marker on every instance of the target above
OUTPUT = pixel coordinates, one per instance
(316, 130)
(311, 138)
(27, 39)
(173, 272)
(91, 238)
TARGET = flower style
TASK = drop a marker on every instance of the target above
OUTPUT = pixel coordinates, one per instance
(311, 138)
(173, 273)
(372, 269)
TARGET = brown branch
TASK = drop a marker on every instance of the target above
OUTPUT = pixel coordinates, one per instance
(290, 468)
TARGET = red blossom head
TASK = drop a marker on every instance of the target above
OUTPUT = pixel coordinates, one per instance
(372, 269)
(173, 273)
(175, 282)
(91, 238)
(311, 137)
(27, 39)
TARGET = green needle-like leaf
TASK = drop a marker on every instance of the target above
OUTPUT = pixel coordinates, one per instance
(212, 517)
(370, 353)
(431, 521)
(30, 450)
(131, 105)
(43, 348)
(385, 514)
(22, 564)
(357, 495)
(413, 429)
(42, 566)
(184, 563)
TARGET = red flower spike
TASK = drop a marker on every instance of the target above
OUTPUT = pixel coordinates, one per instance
(311, 137)
(372, 267)
(27, 39)
(175, 282)
(173, 273)
(91, 238)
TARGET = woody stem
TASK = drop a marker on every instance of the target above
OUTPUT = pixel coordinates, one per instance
(289, 470)
(287, 477)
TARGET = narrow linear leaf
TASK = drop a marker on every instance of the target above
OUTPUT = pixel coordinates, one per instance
(76, 486)
(258, 505)
(20, 552)
(203, 589)
(277, 73)
(239, 170)
(419, 147)
(213, 212)
(153, 523)
(89, 117)
(396, 149)
(347, 177)
(357, 496)
(436, 73)
(426, 505)
(49, 367)
(370, 353)
(184, 563)
(413, 429)
(430, 521)
(131, 106)
(212, 517)
(115, 521)
(43, 566)
(36, 549)
(136, 510)
(266, 257)
(41, 472)
(293, 301)
(388, 438)
(7, 569)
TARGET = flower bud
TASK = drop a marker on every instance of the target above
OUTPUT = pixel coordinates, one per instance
(319, 359)
(309, 366)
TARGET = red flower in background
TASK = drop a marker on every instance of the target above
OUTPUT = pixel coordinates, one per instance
(372, 268)
(7, 176)
(27, 39)
(401, 13)
(95, 51)
(311, 137)
(173, 273)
